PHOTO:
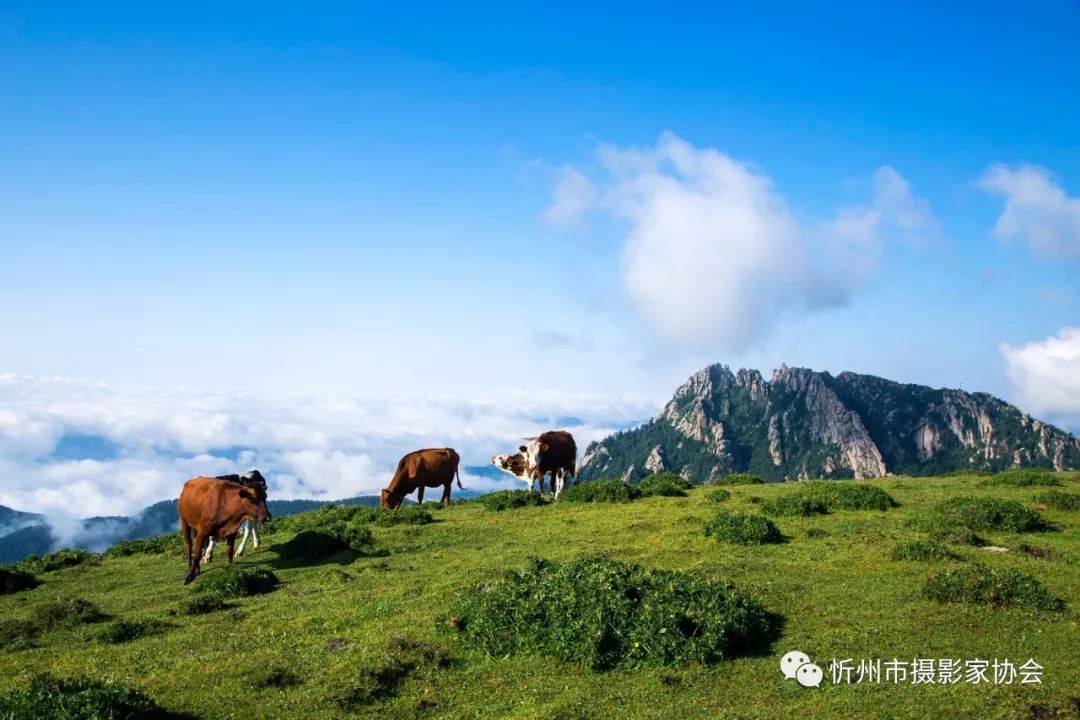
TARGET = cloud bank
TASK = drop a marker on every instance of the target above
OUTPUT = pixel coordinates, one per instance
(141, 444)
(1046, 374)
(712, 255)
(1037, 210)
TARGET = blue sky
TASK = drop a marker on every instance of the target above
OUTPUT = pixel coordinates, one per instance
(364, 198)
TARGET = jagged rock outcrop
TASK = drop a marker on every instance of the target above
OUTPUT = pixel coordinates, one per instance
(802, 423)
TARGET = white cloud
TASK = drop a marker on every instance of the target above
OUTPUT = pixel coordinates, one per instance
(712, 255)
(308, 446)
(1046, 373)
(1037, 210)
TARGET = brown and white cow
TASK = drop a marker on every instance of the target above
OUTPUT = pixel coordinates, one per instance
(419, 469)
(553, 453)
(249, 528)
(211, 507)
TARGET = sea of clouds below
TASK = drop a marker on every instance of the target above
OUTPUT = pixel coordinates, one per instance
(147, 442)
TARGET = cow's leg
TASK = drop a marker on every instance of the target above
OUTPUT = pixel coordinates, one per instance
(185, 535)
(420, 495)
(209, 554)
(246, 527)
(200, 539)
(255, 534)
(557, 483)
(230, 545)
(446, 493)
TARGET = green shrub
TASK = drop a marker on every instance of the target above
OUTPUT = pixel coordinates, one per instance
(957, 536)
(238, 581)
(794, 504)
(1023, 477)
(739, 479)
(80, 698)
(742, 529)
(332, 519)
(354, 536)
(846, 495)
(921, 550)
(18, 634)
(404, 515)
(984, 585)
(970, 472)
(980, 513)
(1060, 500)
(169, 543)
(13, 580)
(204, 603)
(67, 613)
(666, 484)
(510, 499)
(718, 495)
(122, 631)
(58, 560)
(604, 614)
(613, 490)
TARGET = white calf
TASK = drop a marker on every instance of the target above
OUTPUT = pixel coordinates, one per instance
(248, 527)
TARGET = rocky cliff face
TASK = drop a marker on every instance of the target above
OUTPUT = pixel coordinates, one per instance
(803, 423)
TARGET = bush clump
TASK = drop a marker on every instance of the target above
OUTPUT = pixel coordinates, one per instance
(718, 495)
(122, 631)
(204, 603)
(13, 580)
(605, 614)
(846, 495)
(972, 514)
(238, 581)
(67, 613)
(510, 499)
(921, 550)
(170, 543)
(613, 490)
(18, 634)
(740, 479)
(665, 484)
(1060, 500)
(740, 529)
(80, 698)
(59, 560)
(983, 585)
(1023, 477)
(794, 504)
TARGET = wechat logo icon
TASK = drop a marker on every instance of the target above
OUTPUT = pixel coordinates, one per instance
(797, 666)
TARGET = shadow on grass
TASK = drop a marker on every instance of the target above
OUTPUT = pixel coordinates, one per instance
(311, 548)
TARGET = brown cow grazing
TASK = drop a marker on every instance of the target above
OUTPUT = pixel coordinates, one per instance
(420, 469)
(212, 507)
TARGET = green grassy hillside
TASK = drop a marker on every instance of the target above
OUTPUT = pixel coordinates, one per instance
(329, 641)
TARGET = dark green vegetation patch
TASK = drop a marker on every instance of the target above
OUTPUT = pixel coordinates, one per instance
(67, 613)
(1023, 477)
(13, 580)
(18, 634)
(1060, 500)
(979, 513)
(605, 614)
(794, 504)
(59, 560)
(666, 484)
(718, 495)
(612, 490)
(80, 698)
(237, 581)
(332, 519)
(510, 499)
(922, 550)
(382, 678)
(741, 529)
(158, 545)
(983, 585)
(739, 479)
(846, 495)
(122, 631)
(203, 603)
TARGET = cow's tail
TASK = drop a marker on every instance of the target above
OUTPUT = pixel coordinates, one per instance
(457, 474)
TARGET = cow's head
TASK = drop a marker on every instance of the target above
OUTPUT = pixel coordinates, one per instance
(389, 500)
(253, 497)
(532, 449)
(514, 464)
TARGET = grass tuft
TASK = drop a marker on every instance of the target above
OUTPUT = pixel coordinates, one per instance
(1023, 477)
(1060, 500)
(739, 479)
(80, 698)
(605, 614)
(921, 550)
(741, 529)
(510, 500)
(237, 581)
(67, 613)
(666, 484)
(979, 584)
(612, 490)
(13, 580)
(718, 495)
(979, 513)
(122, 631)
(59, 560)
